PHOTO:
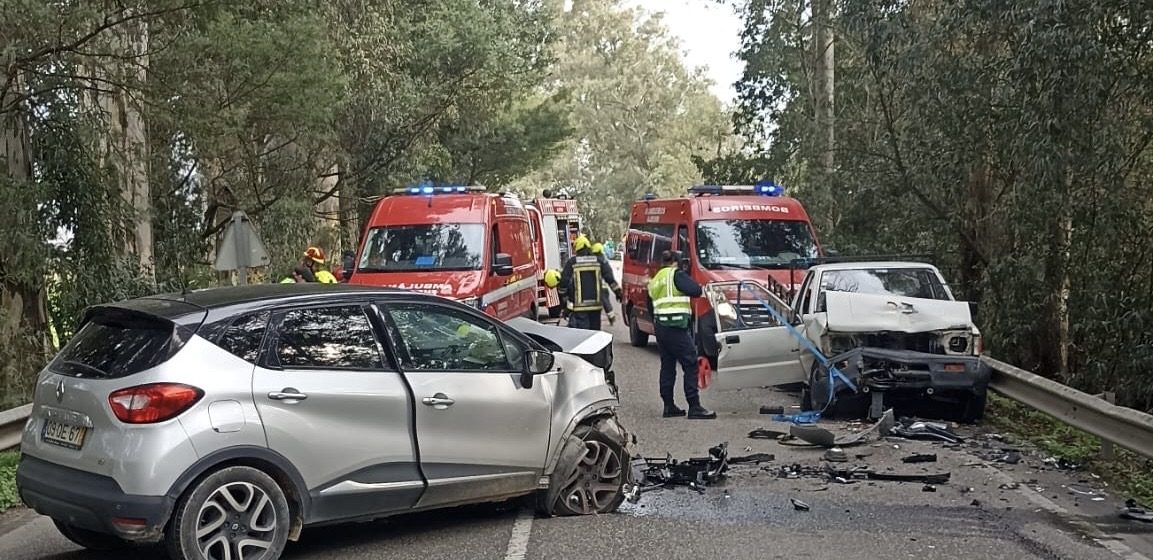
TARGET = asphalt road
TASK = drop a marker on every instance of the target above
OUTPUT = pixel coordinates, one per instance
(1051, 515)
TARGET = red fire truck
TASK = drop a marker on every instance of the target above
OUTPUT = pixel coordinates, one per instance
(453, 241)
(556, 223)
(726, 233)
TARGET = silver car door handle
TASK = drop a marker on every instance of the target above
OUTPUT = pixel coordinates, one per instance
(288, 394)
(440, 400)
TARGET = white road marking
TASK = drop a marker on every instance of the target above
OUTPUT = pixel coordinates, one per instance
(521, 532)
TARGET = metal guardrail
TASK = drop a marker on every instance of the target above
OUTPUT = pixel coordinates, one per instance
(1125, 427)
(12, 425)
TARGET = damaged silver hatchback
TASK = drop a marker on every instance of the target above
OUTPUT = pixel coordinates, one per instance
(890, 332)
(223, 421)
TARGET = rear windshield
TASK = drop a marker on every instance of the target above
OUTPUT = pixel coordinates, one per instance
(111, 346)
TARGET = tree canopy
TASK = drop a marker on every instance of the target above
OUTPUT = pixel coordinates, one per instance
(1010, 139)
(131, 131)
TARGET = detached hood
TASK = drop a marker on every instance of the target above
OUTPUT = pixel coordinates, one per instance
(450, 284)
(573, 341)
(852, 312)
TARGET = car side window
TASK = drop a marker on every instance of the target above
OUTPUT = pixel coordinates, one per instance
(244, 336)
(338, 337)
(439, 338)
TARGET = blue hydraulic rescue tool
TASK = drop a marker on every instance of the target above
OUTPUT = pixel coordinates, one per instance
(834, 374)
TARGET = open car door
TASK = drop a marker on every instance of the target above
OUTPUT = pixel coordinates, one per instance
(755, 349)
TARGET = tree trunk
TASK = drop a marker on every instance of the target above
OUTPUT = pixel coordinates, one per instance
(349, 213)
(23, 307)
(825, 75)
(116, 96)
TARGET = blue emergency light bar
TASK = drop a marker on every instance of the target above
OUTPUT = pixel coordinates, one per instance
(763, 188)
(430, 189)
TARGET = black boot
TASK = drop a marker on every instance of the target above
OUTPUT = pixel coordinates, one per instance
(672, 411)
(698, 412)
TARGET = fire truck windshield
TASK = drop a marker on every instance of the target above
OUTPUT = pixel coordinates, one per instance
(748, 244)
(423, 247)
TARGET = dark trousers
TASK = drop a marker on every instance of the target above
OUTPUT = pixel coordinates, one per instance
(588, 320)
(676, 345)
(606, 299)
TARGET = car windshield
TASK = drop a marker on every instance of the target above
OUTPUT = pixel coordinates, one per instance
(423, 247)
(906, 282)
(749, 244)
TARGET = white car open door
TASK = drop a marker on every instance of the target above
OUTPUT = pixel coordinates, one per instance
(756, 349)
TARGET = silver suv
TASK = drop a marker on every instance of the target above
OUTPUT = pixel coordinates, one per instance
(223, 421)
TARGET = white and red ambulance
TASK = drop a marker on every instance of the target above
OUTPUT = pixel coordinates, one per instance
(453, 241)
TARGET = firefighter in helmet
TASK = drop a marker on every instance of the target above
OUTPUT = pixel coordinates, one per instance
(580, 285)
(314, 261)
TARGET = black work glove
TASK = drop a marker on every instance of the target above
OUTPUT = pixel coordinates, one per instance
(620, 295)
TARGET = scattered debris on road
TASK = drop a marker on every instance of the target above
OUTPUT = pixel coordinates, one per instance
(761, 433)
(754, 458)
(1136, 512)
(836, 455)
(912, 428)
(821, 437)
(654, 473)
(920, 458)
(799, 505)
(772, 409)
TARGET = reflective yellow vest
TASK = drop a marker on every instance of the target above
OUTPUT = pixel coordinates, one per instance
(671, 307)
(586, 284)
(325, 277)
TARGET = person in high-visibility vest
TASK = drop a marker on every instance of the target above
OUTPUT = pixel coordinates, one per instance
(314, 260)
(580, 285)
(606, 302)
(669, 301)
(300, 274)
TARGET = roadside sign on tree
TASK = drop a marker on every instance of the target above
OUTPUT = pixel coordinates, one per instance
(241, 248)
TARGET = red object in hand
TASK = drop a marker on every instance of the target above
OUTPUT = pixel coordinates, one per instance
(704, 373)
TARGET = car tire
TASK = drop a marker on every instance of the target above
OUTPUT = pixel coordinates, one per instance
(91, 540)
(248, 508)
(590, 477)
(637, 337)
(845, 404)
(973, 408)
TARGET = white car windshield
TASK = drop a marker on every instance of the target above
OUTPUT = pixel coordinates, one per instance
(906, 282)
(423, 247)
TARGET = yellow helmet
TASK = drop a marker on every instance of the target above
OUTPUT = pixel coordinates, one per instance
(551, 278)
(598, 248)
(581, 242)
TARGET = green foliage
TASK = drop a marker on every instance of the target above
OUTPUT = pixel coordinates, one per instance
(1131, 473)
(1010, 139)
(641, 119)
(161, 118)
(9, 497)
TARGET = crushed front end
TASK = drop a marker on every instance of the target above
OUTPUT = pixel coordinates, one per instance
(886, 377)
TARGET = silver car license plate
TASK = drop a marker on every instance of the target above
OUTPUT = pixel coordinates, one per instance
(64, 435)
